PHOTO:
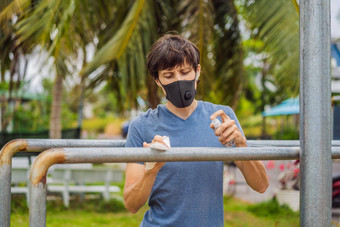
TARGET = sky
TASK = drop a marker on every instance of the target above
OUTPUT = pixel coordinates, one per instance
(335, 19)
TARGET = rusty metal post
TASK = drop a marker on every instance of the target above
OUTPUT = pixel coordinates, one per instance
(15, 146)
(6, 155)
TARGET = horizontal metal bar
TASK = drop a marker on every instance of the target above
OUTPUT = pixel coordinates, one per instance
(282, 143)
(118, 154)
(43, 144)
(102, 155)
(335, 152)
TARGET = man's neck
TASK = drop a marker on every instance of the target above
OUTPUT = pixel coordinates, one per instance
(183, 113)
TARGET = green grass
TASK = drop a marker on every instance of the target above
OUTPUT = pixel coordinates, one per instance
(87, 213)
(97, 213)
(269, 213)
(83, 218)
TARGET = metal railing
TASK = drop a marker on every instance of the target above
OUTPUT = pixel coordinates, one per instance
(315, 132)
(53, 156)
(264, 149)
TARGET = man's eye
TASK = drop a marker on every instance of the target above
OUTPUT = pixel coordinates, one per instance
(186, 72)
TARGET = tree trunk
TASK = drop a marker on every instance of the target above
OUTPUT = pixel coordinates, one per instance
(81, 98)
(265, 70)
(10, 105)
(81, 108)
(55, 119)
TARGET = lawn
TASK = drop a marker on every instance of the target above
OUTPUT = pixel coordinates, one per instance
(269, 213)
(95, 212)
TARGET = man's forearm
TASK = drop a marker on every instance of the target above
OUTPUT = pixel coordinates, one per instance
(136, 194)
(255, 174)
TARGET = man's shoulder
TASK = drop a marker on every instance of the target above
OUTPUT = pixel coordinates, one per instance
(148, 115)
(215, 107)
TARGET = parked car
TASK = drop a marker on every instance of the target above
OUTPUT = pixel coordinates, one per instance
(336, 191)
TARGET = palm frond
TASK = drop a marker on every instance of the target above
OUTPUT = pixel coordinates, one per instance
(228, 51)
(37, 27)
(116, 46)
(277, 25)
(7, 11)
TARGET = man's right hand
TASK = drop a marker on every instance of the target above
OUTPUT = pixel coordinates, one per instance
(158, 165)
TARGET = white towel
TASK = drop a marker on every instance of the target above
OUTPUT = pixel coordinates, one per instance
(158, 146)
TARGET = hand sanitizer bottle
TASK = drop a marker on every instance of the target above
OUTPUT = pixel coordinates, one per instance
(216, 123)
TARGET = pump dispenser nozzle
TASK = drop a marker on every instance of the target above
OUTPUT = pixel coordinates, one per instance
(216, 123)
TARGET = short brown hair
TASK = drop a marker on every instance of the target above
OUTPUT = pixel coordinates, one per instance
(170, 51)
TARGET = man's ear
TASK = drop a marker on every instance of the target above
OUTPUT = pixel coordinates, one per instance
(158, 83)
(198, 72)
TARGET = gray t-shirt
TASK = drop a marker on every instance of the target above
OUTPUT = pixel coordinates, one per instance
(184, 193)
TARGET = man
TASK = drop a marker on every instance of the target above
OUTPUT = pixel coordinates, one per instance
(183, 193)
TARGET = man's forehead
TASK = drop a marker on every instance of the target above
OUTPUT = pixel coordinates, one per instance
(177, 67)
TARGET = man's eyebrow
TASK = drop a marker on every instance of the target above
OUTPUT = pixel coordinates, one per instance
(166, 71)
(179, 68)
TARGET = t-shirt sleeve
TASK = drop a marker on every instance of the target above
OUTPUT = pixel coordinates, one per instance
(134, 136)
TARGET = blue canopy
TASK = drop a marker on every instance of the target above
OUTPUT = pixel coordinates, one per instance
(335, 53)
(287, 107)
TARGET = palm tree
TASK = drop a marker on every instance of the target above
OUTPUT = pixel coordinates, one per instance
(51, 25)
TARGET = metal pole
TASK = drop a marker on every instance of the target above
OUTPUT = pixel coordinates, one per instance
(335, 152)
(315, 117)
(43, 144)
(37, 203)
(5, 178)
(282, 143)
(18, 145)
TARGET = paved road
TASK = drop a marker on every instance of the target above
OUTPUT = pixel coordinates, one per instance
(244, 192)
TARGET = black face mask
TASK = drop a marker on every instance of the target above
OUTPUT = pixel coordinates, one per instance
(180, 93)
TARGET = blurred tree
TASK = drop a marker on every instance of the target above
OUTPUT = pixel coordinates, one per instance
(51, 26)
(13, 63)
(203, 22)
(276, 25)
(121, 34)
